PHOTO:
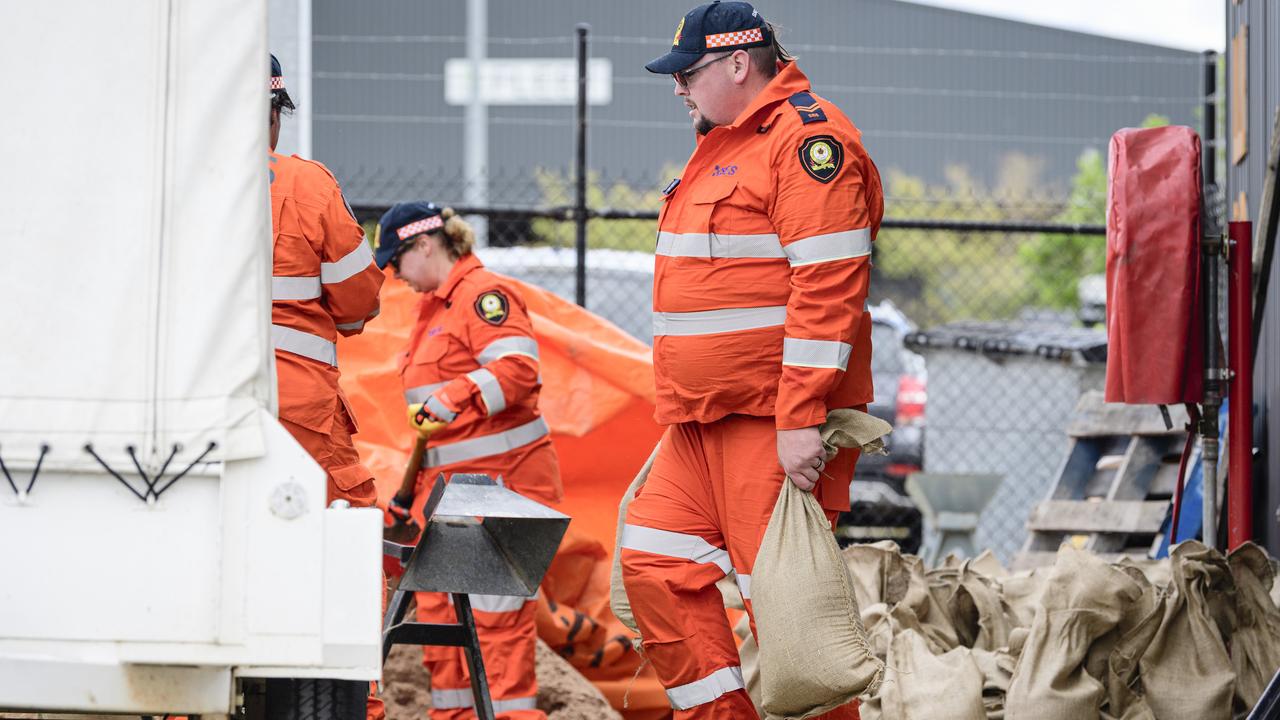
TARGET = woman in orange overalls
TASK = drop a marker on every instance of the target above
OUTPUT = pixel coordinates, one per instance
(470, 376)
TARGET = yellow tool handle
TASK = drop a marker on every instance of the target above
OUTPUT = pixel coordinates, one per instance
(404, 495)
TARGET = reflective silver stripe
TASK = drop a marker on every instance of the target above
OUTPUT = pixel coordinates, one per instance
(707, 322)
(536, 593)
(462, 698)
(816, 353)
(486, 445)
(442, 412)
(306, 287)
(833, 246)
(715, 245)
(673, 544)
(360, 324)
(503, 347)
(304, 344)
(700, 692)
(415, 395)
(352, 263)
(744, 585)
(452, 699)
(490, 391)
(524, 703)
(498, 603)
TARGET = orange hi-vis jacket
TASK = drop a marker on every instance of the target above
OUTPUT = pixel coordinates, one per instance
(762, 268)
(472, 358)
(324, 282)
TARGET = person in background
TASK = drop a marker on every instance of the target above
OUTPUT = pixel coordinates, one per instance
(323, 282)
(471, 381)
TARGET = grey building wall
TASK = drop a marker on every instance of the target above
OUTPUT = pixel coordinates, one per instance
(287, 26)
(930, 88)
(1262, 17)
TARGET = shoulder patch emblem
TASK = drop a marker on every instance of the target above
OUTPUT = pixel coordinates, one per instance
(492, 307)
(808, 108)
(822, 156)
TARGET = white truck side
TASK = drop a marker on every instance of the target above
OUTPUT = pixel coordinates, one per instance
(162, 537)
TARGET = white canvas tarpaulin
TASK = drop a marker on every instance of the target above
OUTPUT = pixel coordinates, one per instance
(137, 252)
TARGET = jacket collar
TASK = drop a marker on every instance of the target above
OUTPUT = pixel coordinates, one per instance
(465, 265)
(789, 81)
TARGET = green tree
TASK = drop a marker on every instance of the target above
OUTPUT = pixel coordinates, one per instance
(1155, 120)
(1056, 262)
(558, 190)
(937, 276)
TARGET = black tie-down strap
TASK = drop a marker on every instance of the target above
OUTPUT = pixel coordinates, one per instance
(153, 487)
(35, 473)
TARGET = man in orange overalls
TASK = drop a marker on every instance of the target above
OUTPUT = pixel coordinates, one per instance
(761, 276)
(323, 282)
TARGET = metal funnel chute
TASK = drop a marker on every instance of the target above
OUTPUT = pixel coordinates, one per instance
(951, 503)
(483, 538)
(480, 538)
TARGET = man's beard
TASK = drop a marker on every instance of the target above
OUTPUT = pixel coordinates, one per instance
(703, 125)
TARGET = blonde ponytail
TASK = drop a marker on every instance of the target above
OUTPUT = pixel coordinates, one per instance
(458, 237)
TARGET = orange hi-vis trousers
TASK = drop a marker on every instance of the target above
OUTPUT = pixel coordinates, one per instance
(335, 451)
(505, 624)
(702, 513)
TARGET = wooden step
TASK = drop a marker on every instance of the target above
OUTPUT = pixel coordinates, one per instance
(1105, 516)
(1093, 417)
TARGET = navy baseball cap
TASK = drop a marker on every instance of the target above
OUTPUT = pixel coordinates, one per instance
(277, 75)
(402, 222)
(713, 27)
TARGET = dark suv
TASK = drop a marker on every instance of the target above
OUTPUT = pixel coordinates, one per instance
(881, 509)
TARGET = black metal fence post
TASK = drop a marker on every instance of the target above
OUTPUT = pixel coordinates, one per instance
(580, 170)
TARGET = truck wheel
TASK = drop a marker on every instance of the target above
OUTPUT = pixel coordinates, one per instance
(316, 699)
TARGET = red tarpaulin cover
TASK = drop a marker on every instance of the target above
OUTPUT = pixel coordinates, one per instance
(1154, 321)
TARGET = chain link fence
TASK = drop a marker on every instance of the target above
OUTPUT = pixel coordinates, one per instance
(986, 291)
(986, 331)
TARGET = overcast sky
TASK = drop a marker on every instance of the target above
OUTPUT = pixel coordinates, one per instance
(1184, 24)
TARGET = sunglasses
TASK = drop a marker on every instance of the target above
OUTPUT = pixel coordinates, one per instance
(682, 77)
(404, 247)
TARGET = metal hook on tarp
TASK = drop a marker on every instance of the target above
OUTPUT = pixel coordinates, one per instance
(152, 493)
(31, 482)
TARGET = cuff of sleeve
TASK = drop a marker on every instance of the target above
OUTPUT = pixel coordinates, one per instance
(457, 395)
(440, 408)
(800, 415)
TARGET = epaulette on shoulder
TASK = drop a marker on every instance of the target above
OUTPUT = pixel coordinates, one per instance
(808, 108)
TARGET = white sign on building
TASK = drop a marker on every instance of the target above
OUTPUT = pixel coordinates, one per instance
(528, 81)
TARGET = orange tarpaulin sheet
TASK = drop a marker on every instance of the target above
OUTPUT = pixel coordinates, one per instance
(597, 397)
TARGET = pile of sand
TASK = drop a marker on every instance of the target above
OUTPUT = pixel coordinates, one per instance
(563, 694)
(406, 684)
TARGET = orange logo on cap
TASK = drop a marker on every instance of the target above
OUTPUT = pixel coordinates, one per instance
(679, 31)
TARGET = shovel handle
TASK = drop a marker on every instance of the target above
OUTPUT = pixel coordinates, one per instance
(404, 495)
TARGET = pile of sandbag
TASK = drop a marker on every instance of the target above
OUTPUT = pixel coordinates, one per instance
(1194, 637)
